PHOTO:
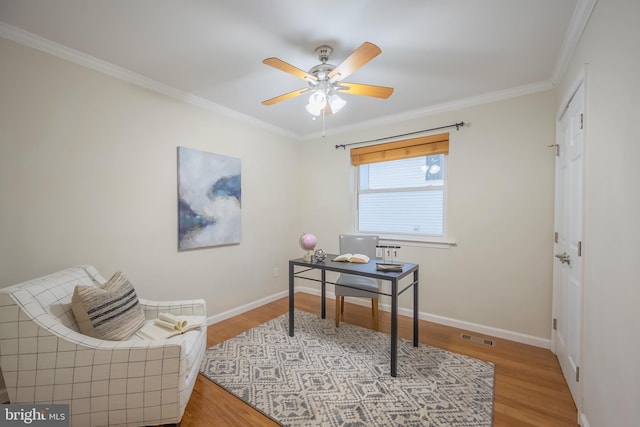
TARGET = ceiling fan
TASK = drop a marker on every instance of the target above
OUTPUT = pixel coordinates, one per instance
(325, 81)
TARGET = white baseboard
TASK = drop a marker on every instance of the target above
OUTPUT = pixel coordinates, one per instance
(486, 330)
(454, 323)
(582, 420)
(244, 308)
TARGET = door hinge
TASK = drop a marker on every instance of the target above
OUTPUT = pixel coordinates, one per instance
(577, 374)
(579, 248)
(555, 324)
(581, 120)
(555, 237)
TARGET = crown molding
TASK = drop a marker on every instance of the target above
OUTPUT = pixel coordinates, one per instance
(440, 108)
(578, 23)
(40, 43)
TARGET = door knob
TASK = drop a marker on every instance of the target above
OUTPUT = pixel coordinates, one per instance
(564, 257)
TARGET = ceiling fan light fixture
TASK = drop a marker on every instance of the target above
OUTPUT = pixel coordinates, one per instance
(336, 103)
(324, 80)
(318, 98)
(314, 110)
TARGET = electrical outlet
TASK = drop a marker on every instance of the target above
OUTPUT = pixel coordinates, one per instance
(276, 272)
(378, 252)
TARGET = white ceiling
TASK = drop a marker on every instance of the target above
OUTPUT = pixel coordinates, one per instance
(434, 53)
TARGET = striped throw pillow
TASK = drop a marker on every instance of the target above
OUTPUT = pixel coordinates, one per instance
(108, 312)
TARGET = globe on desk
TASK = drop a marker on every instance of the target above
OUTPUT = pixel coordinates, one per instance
(307, 242)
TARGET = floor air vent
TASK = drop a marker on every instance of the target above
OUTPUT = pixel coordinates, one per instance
(477, 340)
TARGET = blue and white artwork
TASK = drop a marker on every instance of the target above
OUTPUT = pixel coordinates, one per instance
(209, 196)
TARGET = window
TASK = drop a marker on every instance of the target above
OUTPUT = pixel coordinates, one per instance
(402, 193)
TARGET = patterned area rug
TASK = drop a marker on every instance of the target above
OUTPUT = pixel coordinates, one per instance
(328, 376)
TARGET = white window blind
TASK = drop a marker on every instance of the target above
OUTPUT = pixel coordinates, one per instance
(401, 187)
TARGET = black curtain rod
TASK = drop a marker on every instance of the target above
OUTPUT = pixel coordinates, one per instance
(456, 125)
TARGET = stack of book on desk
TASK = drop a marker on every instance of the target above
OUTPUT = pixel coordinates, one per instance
(389, 267)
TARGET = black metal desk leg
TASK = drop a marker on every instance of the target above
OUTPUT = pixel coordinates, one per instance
(323, 291)
(394, 327)
(415, 309)
(291, 305)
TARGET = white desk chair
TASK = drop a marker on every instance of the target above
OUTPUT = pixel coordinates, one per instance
(357, 244)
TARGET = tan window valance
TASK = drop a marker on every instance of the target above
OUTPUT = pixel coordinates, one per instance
(414, 147)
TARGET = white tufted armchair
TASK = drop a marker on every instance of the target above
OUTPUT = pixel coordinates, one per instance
(44, 359)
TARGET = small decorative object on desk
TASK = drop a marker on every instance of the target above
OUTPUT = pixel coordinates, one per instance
(307, 242)
(389, 253)
(319, 255)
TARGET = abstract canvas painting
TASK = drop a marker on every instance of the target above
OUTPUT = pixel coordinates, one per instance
(209, 199)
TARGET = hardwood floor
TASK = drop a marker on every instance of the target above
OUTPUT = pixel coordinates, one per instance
(529, 387)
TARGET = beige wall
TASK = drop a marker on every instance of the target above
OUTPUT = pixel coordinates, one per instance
(500, 203)
(611, 337)
(88, 175)
(88, 168)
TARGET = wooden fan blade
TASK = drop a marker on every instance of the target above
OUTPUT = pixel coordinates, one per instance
(285, 96)
(365, 53)
(288, 68)
(365, 90)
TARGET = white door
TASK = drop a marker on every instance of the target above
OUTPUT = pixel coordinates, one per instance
(567, 277)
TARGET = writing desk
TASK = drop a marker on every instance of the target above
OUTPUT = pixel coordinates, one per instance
(299, 266)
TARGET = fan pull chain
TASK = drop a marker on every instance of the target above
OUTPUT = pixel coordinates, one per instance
(323, 122)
